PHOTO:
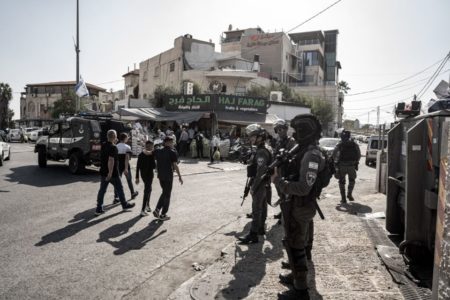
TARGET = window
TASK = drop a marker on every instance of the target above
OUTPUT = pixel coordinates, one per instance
(172, 67)
(312, 58)
(157, 71)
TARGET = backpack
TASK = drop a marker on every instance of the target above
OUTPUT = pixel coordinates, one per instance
(325, 175)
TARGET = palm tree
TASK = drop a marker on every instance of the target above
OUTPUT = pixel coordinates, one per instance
(5, 97)
(343, 86)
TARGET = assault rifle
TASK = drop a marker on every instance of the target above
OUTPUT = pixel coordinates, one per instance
(248, 185)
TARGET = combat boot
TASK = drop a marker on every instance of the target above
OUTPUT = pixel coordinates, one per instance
(294, 294)
(251, 238)
(286, 278)
(285, 264)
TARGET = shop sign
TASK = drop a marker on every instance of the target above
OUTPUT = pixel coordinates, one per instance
(215, 102)
(188, 102)
(243, 104)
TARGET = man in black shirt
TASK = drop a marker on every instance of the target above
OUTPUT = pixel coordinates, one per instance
(166, 163)
(145, 166)
(109, 170)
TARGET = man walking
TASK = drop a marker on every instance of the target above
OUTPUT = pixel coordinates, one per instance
(124, 152)
(199, 144)
(109, 171)
(346, 158)
(299, 211)
(145, 166)
(166, 163)
(260, 188)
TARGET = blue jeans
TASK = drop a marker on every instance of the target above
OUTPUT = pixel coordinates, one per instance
(129, 181)
(115, 181)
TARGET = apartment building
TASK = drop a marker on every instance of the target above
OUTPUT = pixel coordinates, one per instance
(38, 98)
(305, 61)
(196, 61)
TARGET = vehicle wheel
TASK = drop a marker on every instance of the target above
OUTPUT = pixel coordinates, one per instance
(42, 158)
(76, 165)
(367, 163)
(9, 155)
(1, 160)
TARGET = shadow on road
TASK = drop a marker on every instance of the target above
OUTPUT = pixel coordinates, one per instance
(250, 268)
(354, 208)
(53, 175)
(135, 241)
(79, 222)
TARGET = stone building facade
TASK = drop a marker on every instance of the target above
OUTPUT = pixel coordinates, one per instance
(38, 98)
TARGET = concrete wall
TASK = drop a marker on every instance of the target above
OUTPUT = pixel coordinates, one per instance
(269, 47)
(156, 71)
(287, 112)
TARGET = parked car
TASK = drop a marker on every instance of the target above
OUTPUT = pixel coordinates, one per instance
(27, 132)
(5, 150)
(373, 144)
(34, 135)
(16, 135)
(328, 144)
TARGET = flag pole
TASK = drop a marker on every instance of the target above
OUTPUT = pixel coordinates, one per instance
(77, 50)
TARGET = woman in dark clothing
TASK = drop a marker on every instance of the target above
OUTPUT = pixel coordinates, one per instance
(145, 166)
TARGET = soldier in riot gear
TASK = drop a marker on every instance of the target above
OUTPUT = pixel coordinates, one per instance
(283, 142)
(346, 157)
(300, 207)
(260, 191)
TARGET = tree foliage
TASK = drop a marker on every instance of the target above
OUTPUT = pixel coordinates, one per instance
(5, 97)
(323, 110)
(65, 105)
(160, 93)
(343, 86)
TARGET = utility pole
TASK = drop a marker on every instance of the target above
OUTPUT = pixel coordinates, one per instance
(77, 51)
(378, 116)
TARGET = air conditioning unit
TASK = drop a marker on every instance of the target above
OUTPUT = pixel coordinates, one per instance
(276, 96)
(188, 88)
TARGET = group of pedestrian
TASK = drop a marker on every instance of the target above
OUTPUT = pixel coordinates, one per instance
(297, 182)
(115, 162)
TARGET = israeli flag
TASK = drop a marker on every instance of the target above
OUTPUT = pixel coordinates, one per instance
(80, 89)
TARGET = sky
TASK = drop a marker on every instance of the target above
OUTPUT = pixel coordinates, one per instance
(380, 42)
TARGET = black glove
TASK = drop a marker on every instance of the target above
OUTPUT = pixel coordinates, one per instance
(356, 167)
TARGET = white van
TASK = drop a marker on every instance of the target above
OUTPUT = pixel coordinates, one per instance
(372, 148)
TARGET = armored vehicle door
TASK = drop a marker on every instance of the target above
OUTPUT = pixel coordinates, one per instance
(66, 140)
(54, 139)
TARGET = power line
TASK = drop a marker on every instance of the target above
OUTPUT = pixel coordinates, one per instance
(414, 84)
(395, 83)
(316, 15)
(435, 75)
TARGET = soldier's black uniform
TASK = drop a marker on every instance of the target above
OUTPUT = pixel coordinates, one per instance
(300, 207)
(346, 156)
(260, 188)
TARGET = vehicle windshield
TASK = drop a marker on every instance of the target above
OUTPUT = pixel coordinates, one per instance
(374, 144)
(328, 142)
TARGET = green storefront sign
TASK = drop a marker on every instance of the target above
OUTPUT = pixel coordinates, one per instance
(215, 102)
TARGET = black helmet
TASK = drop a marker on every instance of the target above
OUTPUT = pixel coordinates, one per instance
(307, 128)
(345, 135)
(255, 129)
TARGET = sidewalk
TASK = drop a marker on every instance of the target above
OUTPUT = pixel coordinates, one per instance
(192, 166)
(344, 266)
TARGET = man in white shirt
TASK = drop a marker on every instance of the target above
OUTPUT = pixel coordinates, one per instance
(124, 151)
(215, 141)
(184, 137)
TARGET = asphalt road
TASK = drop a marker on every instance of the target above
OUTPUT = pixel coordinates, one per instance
(52, 246)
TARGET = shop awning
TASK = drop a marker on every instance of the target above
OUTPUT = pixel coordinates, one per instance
(160, 114)
(241, 118)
